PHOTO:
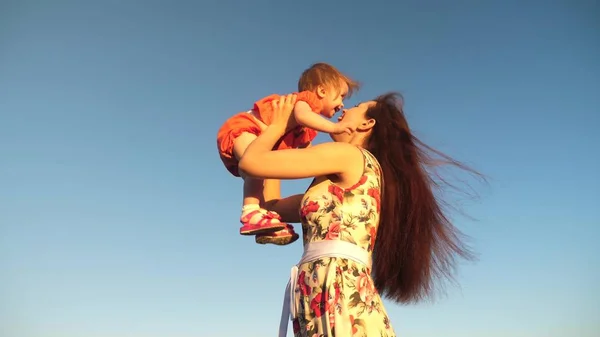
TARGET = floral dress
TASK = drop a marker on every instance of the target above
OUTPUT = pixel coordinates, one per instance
(334, 290)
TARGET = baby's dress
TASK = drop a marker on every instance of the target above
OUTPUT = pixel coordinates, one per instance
(233, 127)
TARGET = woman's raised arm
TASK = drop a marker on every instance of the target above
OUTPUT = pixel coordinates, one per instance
(288, 208)
(260, 161)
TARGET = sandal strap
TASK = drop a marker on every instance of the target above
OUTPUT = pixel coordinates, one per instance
(248, 216)
(265, 220)
(274, 215)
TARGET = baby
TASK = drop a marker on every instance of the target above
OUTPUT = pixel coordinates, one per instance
(322, 90)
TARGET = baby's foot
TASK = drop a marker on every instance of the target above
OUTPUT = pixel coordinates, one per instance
(259, 221)
(281, 237)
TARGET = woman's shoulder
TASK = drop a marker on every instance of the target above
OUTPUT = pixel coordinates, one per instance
(338, 151)
(348, 159)
(340, 147)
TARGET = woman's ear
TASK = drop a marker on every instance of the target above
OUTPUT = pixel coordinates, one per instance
(367, 125)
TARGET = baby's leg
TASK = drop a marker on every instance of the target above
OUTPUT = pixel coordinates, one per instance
(253, 188)
(271, 192)
(255, 220)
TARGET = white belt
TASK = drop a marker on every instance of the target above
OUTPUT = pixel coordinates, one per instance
(314, 251)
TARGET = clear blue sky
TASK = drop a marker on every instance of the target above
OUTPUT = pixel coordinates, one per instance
(118, 219)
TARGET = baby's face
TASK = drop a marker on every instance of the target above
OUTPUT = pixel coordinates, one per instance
(333, 101)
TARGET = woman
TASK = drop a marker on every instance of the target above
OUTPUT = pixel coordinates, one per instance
(371, 223)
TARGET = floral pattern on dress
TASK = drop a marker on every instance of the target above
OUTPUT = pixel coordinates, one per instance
(333, 290)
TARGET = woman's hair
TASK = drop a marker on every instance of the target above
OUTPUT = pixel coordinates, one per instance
(416, 242)
(325, 74)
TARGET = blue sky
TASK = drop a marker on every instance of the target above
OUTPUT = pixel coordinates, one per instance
(118, 219)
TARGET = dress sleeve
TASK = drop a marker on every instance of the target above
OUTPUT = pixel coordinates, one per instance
(263, 109)
(312, 99)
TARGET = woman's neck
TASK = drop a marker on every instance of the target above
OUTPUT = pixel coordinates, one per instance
(358, 139)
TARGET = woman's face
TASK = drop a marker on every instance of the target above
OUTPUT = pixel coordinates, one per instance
(356, 117)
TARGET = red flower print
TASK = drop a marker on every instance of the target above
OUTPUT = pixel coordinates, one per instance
(336, 286)
(318, 304)
(362, 180)
(333, 232)
(337, 191)
(365, 288)
(375, 194)
(354, 328)
(309, 207)
(296, 325)
(323, 303)
(304, 287)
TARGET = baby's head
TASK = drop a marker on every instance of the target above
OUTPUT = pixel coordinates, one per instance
(330, 85)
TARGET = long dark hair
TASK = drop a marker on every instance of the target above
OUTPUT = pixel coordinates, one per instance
(416, 244)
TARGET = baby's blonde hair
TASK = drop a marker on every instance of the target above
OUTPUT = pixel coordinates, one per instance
(325, 74)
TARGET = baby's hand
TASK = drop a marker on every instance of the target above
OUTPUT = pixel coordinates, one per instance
(342, 127)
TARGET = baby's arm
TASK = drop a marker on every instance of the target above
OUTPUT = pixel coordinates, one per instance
(305, 116)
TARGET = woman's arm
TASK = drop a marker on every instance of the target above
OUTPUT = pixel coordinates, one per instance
(260, 161)
(288, 208)
(324, 159)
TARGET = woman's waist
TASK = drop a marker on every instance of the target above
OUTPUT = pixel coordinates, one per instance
(335, 249)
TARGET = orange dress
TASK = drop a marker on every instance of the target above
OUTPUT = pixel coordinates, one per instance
(245, 122)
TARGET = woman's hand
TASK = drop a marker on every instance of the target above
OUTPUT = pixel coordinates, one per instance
(282, 111)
